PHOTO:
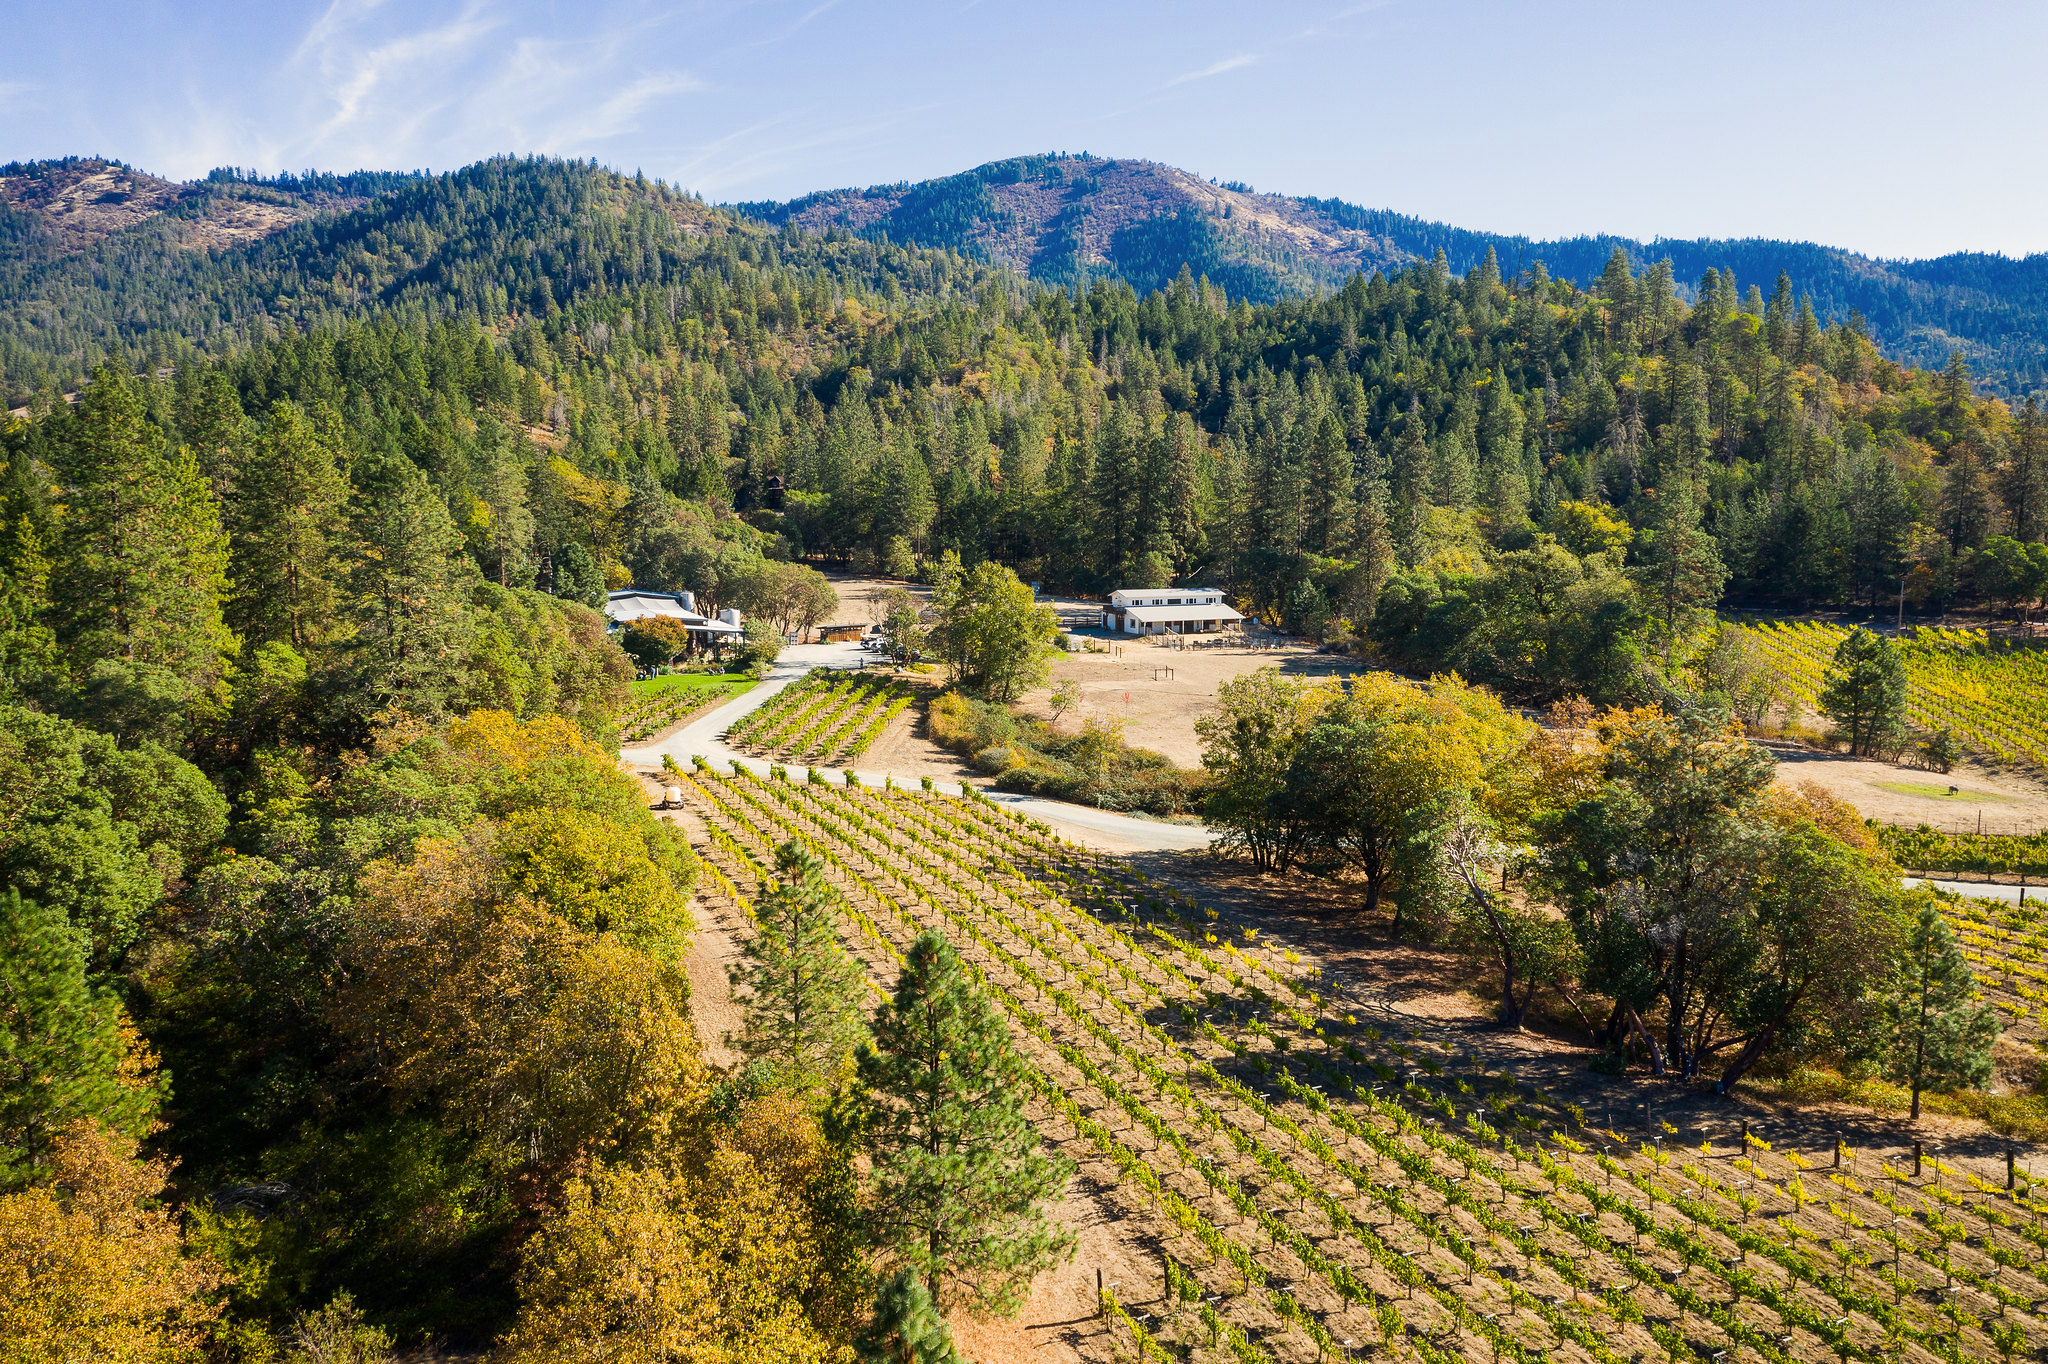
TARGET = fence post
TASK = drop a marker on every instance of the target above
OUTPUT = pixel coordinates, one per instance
(1916, 1160)
(1098, 1293)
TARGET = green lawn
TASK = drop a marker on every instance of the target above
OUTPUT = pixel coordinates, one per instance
(1932, 792)
(656, 686)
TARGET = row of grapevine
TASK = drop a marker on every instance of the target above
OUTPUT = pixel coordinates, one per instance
(1988, 691)
(824, 716)
(653, 711)
(1316, 1179)
(1927, 849)
(2007, 947)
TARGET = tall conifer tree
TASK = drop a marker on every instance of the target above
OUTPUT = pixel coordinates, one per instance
(283, 517)
(141, 561)
(406, 591)
(1938, 1035)
(960, 1180)
(803, 991)
(61, 1053)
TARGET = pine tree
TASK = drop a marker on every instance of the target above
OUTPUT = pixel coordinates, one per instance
(1373, 544)
(1689, 438)
(508, 537)
(406, 591)
(1181, 508)
(217, 431)
(1618, 291)
(283, 516)
(1681, 569)
(2024, 485)
(1113, 489)
(1329, 487)
(1409, 488)
(1955, 392)
(1865, 692)
(138, 569)
(61, 1053)
(1937, 1035)
(802, 990)
(959, 1179)
(1778, 318)
(906, 1328)
(1806, 334)
(1965, 511)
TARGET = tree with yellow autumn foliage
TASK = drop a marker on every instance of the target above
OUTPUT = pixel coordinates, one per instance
(732, 1246)
(92, 1265)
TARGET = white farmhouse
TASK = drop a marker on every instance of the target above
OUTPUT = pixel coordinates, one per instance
(1167, 610)
(623, 608)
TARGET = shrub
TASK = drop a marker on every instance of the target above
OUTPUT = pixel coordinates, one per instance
(1095, 767)
(1938, 751)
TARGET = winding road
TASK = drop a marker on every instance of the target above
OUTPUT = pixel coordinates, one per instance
(705, 735)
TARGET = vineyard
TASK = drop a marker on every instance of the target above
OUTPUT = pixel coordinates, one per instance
(827, 715)
(661, 702)
(1324, 1174)
(2007, 947)
(1926, 849)
(1989, 692)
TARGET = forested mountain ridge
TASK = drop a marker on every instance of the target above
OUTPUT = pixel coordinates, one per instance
(98, 258)
(497, 238)
(1067, 218)
(605, 381)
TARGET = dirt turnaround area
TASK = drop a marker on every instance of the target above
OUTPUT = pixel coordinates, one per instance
(2002, 801)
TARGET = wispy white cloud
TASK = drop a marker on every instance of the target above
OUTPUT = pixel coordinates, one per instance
(1213, 69)
(763, 151)
(354, 72)
(617, 114)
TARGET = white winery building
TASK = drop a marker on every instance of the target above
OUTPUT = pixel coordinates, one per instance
(1167, 610)
(623, 608)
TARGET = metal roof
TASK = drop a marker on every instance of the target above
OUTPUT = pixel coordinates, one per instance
(631, 606)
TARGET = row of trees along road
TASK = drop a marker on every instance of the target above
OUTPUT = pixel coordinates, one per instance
(1644, 857)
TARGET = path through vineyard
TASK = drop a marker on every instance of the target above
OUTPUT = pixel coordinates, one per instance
(1105, 829)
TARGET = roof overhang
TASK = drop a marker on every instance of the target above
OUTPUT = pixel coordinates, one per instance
(1180, 615)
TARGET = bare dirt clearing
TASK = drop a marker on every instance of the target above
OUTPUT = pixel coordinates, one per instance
(1158, 693)
(2010, 802)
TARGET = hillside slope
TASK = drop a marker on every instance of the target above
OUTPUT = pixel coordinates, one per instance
(1062, 218)
(97, 257)
(83, 274)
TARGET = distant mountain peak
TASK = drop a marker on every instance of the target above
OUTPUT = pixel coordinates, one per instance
(1064, 218)
(79, 200)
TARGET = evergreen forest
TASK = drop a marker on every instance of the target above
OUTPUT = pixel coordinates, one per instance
(325, 890)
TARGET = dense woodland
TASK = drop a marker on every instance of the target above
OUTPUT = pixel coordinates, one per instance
(594, 374)
(305, 716)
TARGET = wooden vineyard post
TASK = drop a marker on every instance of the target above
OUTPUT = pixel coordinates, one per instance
(1916, 1160)
(2009, 1175)
(1098, 1294)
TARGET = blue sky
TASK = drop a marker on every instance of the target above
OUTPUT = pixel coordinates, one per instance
(1895, 129)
